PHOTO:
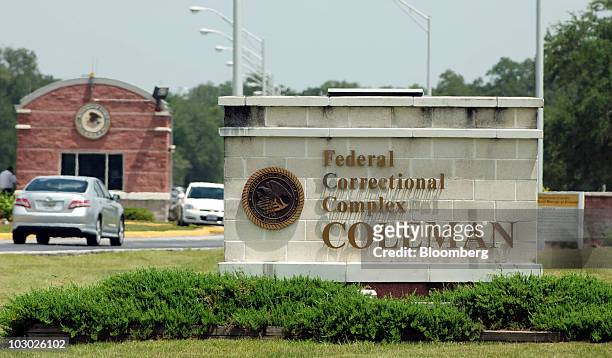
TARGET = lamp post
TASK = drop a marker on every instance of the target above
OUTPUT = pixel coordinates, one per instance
(236, 27)
(237, 81)
(539, 79)
(412, 11)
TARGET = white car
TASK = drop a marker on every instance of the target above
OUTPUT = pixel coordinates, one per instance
(202, 203)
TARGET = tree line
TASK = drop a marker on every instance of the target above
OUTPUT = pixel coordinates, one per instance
(578, 104)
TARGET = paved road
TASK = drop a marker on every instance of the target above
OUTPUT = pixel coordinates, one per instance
(79, 246)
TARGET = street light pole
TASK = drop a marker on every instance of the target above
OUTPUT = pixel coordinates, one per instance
(237, 44)
(411, 11)
(429, 92)
(539, 79)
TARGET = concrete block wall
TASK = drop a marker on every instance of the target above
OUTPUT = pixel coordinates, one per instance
(475, 179)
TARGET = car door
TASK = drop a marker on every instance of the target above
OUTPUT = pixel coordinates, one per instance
(108, 212)
(114, 209)
(100, 200)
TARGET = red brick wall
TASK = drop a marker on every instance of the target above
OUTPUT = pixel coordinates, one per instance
(145, 152)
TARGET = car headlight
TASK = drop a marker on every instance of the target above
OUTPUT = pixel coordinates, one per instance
(189, 207)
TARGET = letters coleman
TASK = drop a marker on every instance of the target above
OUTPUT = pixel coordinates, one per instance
(372, 198)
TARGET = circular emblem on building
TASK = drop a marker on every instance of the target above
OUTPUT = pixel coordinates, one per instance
(273, 198)
(92, 121)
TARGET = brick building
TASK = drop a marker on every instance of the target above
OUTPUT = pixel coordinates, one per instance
(102, 128)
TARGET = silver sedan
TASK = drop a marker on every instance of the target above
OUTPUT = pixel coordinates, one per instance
(67, 206)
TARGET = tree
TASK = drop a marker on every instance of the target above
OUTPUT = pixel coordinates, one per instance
(506, 78)
(510, 79)
(452, 84)
(199, 149)
(578, 112)
(19, 75)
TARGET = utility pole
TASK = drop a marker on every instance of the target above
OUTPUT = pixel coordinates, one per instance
(415, 15)
(237, 51)
(429, 91)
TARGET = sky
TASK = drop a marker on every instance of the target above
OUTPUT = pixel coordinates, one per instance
(155, 42)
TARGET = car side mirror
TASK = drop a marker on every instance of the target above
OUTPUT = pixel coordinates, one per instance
(181, 196)
(115, 197)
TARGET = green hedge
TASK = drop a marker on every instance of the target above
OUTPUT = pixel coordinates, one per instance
(138, 214)
(179, 304)
(578, 306)
(6, 206)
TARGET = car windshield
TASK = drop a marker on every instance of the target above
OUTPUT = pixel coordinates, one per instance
(206, 193)
(57, 185)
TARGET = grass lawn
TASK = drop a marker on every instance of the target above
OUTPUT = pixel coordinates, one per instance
(279, 348)
(22, 273)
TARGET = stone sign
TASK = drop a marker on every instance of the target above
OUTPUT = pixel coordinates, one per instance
(379, 189)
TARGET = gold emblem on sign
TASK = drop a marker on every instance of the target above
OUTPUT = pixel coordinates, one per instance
(273, 198)
(92, 121)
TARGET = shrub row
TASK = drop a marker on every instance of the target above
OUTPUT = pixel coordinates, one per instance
(578, 306)
(179, 304)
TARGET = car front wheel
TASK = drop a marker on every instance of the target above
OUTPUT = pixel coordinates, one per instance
(95, 239)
